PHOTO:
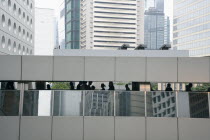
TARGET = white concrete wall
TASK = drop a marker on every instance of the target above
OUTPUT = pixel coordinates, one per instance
(103, 128)
(49, 68)
(17, 28)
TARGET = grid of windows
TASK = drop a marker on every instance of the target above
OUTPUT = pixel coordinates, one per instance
(192, 26)
(16, 31)
(72, 24)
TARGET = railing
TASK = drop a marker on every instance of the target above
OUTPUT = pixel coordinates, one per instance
(105, 103)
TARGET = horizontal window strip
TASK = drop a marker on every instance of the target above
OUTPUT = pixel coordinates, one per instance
(114, 37)
(115, 13)
(113, 41)
(114, 27)
(115, 8)
(109, 46)
(115, 3)
(115, 22)
(115, 32)
(115, 17)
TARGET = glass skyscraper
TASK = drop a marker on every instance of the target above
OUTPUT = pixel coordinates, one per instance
(154, 29)
(192, 26)
(72, 24)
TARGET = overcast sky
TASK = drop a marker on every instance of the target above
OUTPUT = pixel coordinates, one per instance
(46, 4)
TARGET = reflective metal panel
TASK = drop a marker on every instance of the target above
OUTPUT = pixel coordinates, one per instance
(161, 104)
(9, 102)
(37, 103)
(193, 105)
(99, 103)
(68, 103)
(129, 103)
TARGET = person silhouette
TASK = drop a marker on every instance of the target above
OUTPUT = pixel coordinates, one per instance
(111, 86)
(10, 86)
(208, 89)
(89, 85)
(84, 86)
(103, 86)
(79, 85)
(189, 87)
(168, 88)
(48, 87)
(71, 85)
(93, 87)
(127, 87)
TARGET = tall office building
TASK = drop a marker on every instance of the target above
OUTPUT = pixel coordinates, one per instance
(160, 5)
(61, 25)
(45, 24)
(154, 29)
(72, 24)
(16, 27)
(104, 24)
(192, 26)
(167, 31)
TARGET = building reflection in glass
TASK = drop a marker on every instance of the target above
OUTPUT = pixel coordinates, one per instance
(68, 103)
(9, 103)
(99, 103)
(130, 103)
(37, 103)
(193, 105)
(161, 104)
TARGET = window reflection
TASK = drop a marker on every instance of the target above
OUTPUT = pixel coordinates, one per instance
(68, 103)
(99, 103)
(37, 103)
(9, 103)
(193, 105)
(161, 104)
(130, 103)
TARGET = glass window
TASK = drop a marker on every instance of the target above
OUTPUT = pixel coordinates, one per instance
(99, 103)
(68, 103)
(163, 105)
(37, 103)
(193, 105)
(9, 102)
(130, 103)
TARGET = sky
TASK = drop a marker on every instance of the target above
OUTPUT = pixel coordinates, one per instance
(46, 3)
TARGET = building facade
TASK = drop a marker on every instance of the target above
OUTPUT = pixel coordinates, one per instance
(45, 24)
(104, 24)
(72, 24)
(191, 26)
(17, 27)
(154, 28)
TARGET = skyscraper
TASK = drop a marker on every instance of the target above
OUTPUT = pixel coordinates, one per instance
(99, 24)
(17, 27)
(159, 4)
(154, 29)
(72, 23)
(191, 26)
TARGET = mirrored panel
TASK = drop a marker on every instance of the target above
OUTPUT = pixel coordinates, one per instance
(37, 103)
(193, 105)
(161, 104)
(130, 103)
(9, 102)
(68, 103)
(99, 103)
